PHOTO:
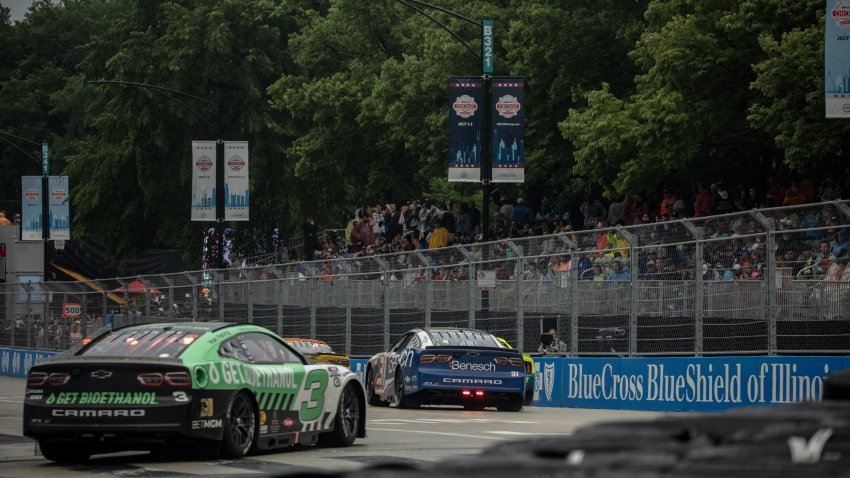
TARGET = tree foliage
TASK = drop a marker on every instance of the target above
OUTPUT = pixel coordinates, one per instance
(344, 102)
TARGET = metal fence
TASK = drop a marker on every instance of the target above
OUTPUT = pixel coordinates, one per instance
(772, 281)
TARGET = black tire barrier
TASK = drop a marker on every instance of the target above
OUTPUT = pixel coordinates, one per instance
(837, 386)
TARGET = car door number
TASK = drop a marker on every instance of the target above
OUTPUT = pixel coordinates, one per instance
(316, 383)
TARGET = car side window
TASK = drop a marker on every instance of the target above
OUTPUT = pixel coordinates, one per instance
(415, 342)
(232, 348)
(402, 343)
(264, 349)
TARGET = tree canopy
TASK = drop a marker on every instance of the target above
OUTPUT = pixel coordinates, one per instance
(344, 102)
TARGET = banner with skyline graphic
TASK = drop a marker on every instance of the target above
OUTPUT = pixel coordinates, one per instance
(59, 210)
(203, 180)
(31, 207)
(465, 129)
(507, 113)
(236, 192)
(837, 59)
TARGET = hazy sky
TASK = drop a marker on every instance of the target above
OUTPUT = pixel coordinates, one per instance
(18, 7)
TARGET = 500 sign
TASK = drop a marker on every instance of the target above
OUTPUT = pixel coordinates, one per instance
(72, 311)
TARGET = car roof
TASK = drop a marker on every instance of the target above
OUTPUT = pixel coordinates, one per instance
(199, 327)
(315, 341)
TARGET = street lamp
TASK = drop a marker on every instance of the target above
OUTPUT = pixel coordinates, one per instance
(45, 171)
(217, 130)
(487, 68)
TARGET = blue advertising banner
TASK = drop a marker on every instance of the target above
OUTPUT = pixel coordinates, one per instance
(17, 362)
(837, 59)
(59, 207)
(508, 131)
(31, 226)
(683, 384)
(465, 129)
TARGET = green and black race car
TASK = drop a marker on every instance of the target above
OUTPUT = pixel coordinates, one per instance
(148, 387)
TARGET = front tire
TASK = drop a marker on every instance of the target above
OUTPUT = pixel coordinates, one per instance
(371, 396)
(240, 427)
(63, 452)
(347, 421)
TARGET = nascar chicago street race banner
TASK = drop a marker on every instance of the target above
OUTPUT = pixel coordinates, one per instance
(60, 211)
(837, 59)
(465, 129)
(203, 181)
(31, 208)
(507, 117)
(236, 196)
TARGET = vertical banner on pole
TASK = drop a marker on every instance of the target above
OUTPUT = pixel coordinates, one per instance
(507, 115)
(465, 129)
(31, 226)
(837, 59)
(203, 181)
(59, 207)
(236, 194)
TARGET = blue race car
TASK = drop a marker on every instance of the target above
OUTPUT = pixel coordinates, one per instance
(443, 366)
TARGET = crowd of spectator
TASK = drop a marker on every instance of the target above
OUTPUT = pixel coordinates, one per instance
(807, 246)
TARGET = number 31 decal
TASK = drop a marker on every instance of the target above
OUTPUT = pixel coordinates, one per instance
(316, 383)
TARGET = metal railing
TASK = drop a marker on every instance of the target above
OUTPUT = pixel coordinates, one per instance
(754, 282)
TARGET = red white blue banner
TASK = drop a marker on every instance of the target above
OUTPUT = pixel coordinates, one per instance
(507, 117)
(31, 208)
(465, 129)
(236, 192)
(837, 59)
(203, 181)
(59, 207)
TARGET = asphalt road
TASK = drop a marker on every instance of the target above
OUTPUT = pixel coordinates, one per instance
(407, 436)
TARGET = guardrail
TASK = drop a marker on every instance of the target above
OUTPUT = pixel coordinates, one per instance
(747, 283)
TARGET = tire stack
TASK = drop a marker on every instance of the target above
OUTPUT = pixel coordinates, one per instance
(810, 440)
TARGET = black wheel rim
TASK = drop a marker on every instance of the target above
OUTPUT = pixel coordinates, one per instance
(350, 412)
(241, 422)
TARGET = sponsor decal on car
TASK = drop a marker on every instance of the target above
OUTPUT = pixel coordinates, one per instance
(263, 417)
(206, 407)
(473, 381)
(206, 424)
(103, 412)
(232, 373)
(101, 374)
(102, 398)
(473, 367)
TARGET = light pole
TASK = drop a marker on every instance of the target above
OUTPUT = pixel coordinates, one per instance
(485, 57)
(217, 129)
(45, 172)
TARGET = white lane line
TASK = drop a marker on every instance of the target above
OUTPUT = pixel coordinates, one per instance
(508, 432)
(3, 400)
(434, 433)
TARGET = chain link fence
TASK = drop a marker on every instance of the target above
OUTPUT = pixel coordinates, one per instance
(773, 281)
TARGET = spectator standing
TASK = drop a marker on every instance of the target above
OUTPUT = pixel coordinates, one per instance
(556, 346)
(667, 203)
(474, 215)
(521, 214)
(464, 221)
(311, 239)
(723, 203)
(439, 236)
(507, 209)
(4, 221)
(703, 201)
(392, 224)
(616, 211)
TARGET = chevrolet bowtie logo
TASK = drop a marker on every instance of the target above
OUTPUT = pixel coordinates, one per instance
(101, 374)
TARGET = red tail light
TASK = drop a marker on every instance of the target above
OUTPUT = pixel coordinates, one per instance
(178, 379)
(150, 379)
(443, 358)
(479, 393)
(427, 358)
(517, 362)
(466, 393)
(57, 379)
(36, 379)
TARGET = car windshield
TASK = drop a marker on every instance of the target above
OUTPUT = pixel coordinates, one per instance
(310, 347)
(163, 343)
(463, 337)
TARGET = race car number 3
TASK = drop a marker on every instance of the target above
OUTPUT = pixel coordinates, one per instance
(316, 383)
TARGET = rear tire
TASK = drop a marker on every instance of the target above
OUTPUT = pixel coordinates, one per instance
(240, 427)
(401, 399)
(63, 451)
(512, 405)
(371, 396)
(347, 421)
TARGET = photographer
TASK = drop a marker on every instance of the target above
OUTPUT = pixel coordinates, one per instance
(550, 344)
